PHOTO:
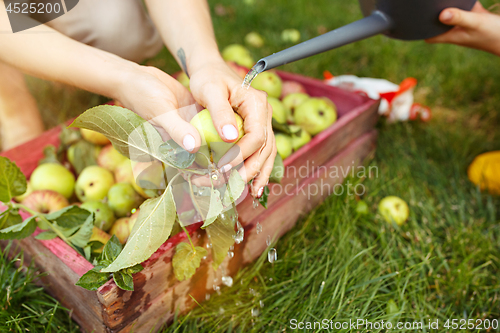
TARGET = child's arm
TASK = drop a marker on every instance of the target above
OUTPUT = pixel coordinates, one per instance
(478, 29)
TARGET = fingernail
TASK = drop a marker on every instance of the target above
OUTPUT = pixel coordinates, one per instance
(225, 168)
(188, 142)
(447, 15)
(230, 132)
(261, 191)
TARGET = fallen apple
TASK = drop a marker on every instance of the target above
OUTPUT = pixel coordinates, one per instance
(122, 198)
(55, 177)
(101, 236)
(291, 101)
(94, 137)
(301, 139)
(290, 35)
(45, 201)
(254, 39)
(103, 214)
(269, 82)
(283, 144)
(109, 158)
(212, 145)
(315, 115)
(394, 210)
(240, 70)
(279, 111)
(183, 79)
(93, 183)
(239, 54)
(292, 87)
(121, 228)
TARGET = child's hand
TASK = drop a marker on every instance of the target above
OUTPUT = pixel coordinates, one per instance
(478, 29)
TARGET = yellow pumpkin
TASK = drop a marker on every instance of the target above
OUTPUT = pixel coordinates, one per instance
(484, 171)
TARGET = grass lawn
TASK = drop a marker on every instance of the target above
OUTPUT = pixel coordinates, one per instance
(444, 263)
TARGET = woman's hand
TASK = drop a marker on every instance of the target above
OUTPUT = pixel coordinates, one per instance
(478, 29)
(218, 88)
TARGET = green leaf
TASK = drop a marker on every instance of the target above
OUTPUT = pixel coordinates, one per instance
(131, 135)
(152, 228)
(112, 248)
(284, 128)
(221, 234)
(84, 155)
(235, 187)
(82, 236)
(9, 218)
(93, 279)
(186, 261)
(278, 170)
(134, 269)
(69, 217)
(19, 231)
(50, 155)
(263, 198)
(124, 280)
(176, 155)
(42, 224)
(47, 235)
(214, 209)
(12, 180)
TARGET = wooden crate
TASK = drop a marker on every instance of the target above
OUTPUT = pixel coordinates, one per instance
(157, 295)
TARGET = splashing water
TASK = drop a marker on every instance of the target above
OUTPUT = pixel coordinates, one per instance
(255, 203)
(255, 312)
(268, 240)
(258, 228)
(261, 304)
(272, 255)
(230, 254)
(240, 234)
(207, 296)
(252, 73)
(227, 280)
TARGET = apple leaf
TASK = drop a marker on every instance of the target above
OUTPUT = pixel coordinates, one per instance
(124, 280)
(235, 187)
(152, 228)
(69, 217)
(112, 248)
(19, 231)
(221, 234)
(93, 279)
(278, 170)
(214, 209)
(47, 235)
(176, 155)
(12, 180)
(84, 155)
(284, 128)
(186, 260)
(82, 236)
(9, 218)
(134, 269)
(131, 135)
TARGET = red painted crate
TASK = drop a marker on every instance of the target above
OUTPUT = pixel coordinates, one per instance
(157, 295)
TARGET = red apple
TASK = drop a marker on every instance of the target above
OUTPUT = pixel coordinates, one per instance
(45, 201)
(292, 87)
(99, 235)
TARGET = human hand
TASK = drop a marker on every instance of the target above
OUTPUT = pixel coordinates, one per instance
(215, 86)
(478, 29)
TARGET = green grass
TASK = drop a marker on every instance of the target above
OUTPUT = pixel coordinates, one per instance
(334, 264)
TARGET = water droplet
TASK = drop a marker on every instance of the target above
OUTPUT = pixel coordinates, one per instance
(255, 203)
(270, 279)
(216, 287)
(252, 292)
(204, 258)
(268, 240)
(221, 310)
(207, 296)
(237, 304)
(231, 248)
(227, 280)
(240, 234)
(255, 312)
(230, 254)
(261, 304)
(272, 255)
(258, 227)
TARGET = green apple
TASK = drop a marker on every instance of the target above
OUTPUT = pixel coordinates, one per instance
(122, 198)
(269, 82)
(121, 228)
(93, 183)
(279, 111)
(104, 216)
(55, 177)
(101, 236)
(239, 54)
(284, 144)
(184, 80)
(254, 39)
(45, 201)
(109, 158)
(301, 139)
(212, 145)
(291, 101)
(315, 114)
(94, 137)
(394, 210)
(290, 35)
(362, 208)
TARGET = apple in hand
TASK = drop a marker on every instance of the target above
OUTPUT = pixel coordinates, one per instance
(55, 177)
(394, 210)
(269, 82)
(212, 145)
(121, 228)
(292, 87)
(109, 158)
(93, 183)
(291, 102)
(283, 144)
(45, 201)
(239, 54)
(122, 198)
(94, 137)
(315, 114)
(279, 111)
(104, 216)
(301, 139)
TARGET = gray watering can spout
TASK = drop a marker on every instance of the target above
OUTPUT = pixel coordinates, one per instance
(369, 26)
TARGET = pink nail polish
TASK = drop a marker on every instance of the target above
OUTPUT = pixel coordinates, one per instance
(189, 142)
(230, 132)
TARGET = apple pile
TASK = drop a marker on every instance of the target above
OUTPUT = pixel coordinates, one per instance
(108, 188)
